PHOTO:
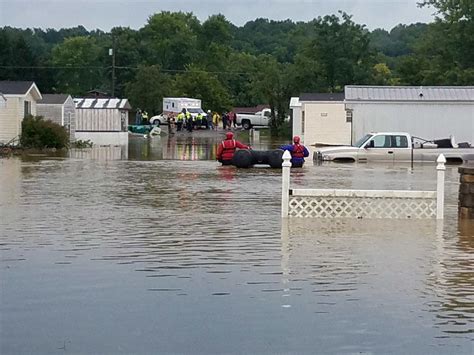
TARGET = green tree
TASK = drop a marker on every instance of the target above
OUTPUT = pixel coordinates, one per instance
(446, 50)
(170, 39)
(127, 56)
(241, 69)
(382, 75)
(452, 10)
(271, 84)
(79, 66)
(148, 88)
(336, 55)
(200, 84)
(213, 44)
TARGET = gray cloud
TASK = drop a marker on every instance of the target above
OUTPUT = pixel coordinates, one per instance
(105, 14)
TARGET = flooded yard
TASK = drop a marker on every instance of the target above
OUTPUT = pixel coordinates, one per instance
(155, 248)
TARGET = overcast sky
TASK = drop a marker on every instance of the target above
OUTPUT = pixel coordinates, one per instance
(105, 14)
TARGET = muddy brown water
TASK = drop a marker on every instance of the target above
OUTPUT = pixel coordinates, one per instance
(155, 248)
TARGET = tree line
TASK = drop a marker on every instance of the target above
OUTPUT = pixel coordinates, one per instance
(263, 61)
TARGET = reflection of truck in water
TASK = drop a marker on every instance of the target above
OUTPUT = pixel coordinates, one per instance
(397, 146)
(260, 118)
(174, 105)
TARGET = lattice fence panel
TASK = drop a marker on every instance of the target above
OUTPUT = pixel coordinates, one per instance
(362, 207)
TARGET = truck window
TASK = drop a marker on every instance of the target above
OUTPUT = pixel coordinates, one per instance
(267, 113)
(381, 141)
(399, 142)
(361, 141)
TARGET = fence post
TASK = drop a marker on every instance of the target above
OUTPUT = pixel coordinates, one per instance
(440, 187)
(285, 184)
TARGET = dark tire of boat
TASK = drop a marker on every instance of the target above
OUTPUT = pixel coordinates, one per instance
(242, 158)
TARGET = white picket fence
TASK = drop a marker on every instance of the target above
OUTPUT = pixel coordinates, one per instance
(333, 203)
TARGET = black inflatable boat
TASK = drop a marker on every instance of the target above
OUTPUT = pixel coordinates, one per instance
(247, 158)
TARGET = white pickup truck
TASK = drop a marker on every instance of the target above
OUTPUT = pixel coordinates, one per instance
(261, 118)
(397, 146)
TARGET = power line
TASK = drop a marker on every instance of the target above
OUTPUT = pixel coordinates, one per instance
(48, 67)
(120, 67)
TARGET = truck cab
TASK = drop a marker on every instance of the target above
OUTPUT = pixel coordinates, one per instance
(385, 147)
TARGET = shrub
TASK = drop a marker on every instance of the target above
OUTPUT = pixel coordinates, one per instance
(282, 131)
(39, 133)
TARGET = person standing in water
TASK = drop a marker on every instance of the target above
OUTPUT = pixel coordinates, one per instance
(227, 148)
(298, 152)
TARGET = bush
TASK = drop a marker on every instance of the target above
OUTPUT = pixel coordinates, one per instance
(39, 133)
(283, 131)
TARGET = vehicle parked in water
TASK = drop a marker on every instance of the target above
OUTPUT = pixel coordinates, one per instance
(397, 147)
(261, 118)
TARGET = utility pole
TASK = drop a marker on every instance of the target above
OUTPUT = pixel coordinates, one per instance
(112, 53)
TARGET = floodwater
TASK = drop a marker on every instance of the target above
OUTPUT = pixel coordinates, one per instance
(155, 248)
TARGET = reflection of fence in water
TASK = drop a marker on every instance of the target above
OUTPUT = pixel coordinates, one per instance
(340, 256)
(102, 153)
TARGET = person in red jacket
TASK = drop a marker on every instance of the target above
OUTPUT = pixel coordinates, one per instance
(226, 149)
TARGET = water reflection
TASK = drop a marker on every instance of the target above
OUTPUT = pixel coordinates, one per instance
(198, 145)
(103, 153)
(454, 280)
(376, 263)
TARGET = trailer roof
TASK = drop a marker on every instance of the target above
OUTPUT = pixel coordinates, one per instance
(409, 93)
(181, 98)
(91, 103)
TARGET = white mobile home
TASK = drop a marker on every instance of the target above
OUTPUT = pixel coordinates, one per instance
(320, 118)
(19, 100)
(59, 109)
(173, 105)
(428, 112)
(102, 121)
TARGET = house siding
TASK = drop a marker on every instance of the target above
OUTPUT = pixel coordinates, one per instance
(422, 119)
(325, 123)
(62, 114)
(101, 120)
(10, 119)
(69, 117)
(50, 112)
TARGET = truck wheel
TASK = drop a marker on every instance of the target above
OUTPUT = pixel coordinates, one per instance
(157, 122)
(246, 125)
